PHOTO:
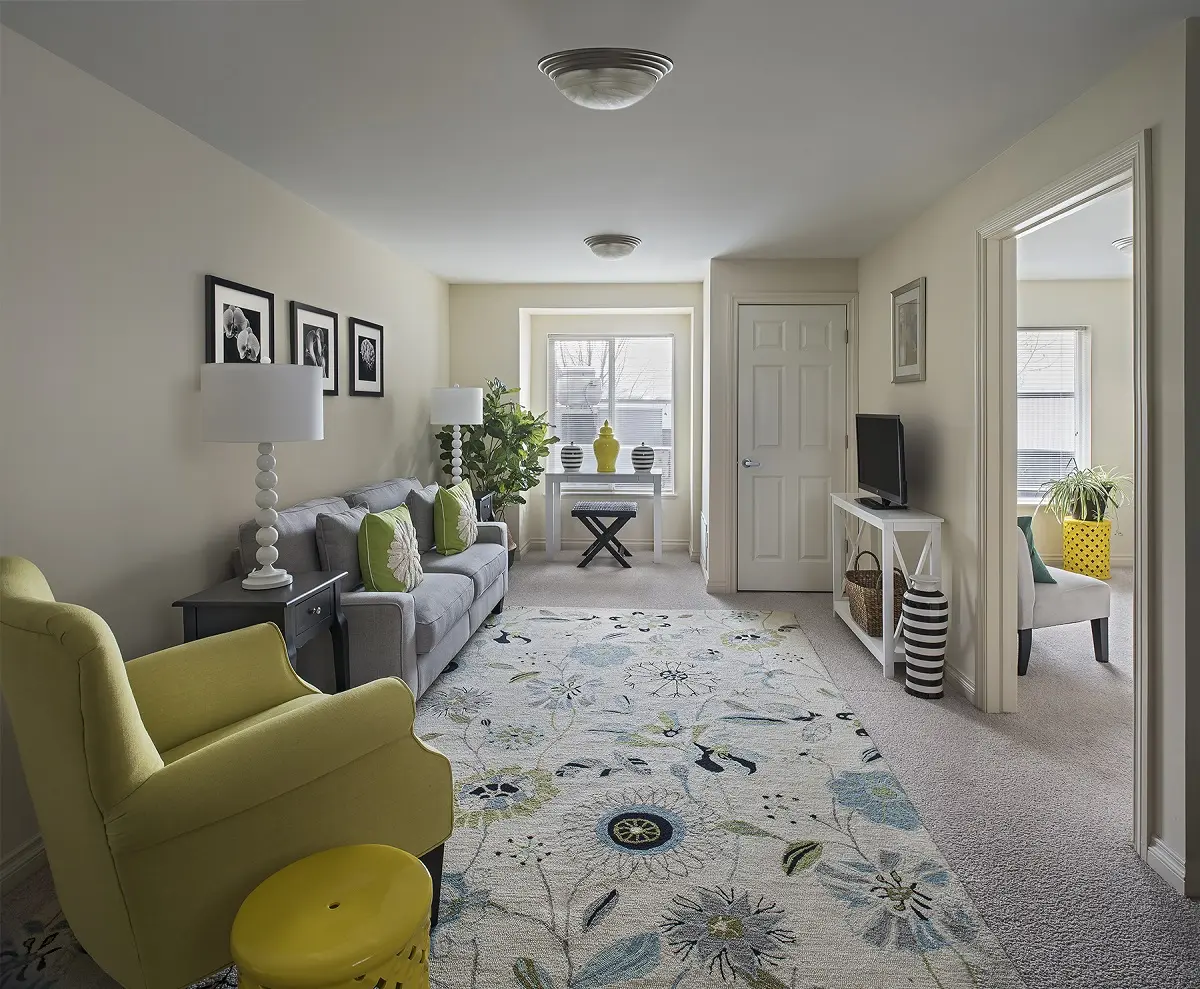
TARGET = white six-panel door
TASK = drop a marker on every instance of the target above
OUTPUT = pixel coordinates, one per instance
(791, 442)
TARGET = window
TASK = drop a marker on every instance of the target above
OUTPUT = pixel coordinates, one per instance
(1053, 405)
(628, 380)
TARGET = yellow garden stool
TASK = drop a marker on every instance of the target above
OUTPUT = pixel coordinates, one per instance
(348, 918)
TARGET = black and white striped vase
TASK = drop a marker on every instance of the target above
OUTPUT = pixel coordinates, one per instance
(926, 623)
(571, 457)
(643, 458)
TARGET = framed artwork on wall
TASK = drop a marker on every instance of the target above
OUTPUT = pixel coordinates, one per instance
(239, 323)
(366, 358)
(315, 342)
(908, 332)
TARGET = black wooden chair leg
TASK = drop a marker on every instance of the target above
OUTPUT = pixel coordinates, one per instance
(433, 862)
(1024, 646)
(1100, 639)
(499, 609)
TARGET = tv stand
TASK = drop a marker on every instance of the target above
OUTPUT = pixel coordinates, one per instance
(851, 519)
(881, 505)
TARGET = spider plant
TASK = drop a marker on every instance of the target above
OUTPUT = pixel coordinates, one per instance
(1086, 493)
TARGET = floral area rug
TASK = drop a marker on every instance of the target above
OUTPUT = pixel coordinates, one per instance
(680, 799)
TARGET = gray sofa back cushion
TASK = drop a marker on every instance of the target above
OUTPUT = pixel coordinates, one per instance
(420, 504)
(382, 495)
(297, 544)
(337, 544)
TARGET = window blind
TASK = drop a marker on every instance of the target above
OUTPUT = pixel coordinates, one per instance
(628, 380)
(1052, 413)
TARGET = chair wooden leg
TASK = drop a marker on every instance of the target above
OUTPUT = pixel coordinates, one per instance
(1024, 646)
(1100, 639)
(433, 862)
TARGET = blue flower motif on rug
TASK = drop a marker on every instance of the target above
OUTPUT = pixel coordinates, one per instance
(878, 797)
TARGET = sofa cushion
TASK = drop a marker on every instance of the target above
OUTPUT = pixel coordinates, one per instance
(439, 601)
(337, 544)
(297, 543)
(1041, 574)
(1074, 597)
(420, 503)
(482, 562)
(382, 495)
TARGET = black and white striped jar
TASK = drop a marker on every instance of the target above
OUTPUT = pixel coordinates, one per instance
(643, 458)
(571, 457)
(926, 622)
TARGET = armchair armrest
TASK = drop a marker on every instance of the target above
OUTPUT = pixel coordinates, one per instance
(274, 757)
(188, 690)
(383, 635)
(493, 532)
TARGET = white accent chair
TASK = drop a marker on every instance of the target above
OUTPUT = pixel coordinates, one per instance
(1075, 598)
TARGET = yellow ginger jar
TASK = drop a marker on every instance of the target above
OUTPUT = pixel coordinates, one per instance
(607, 447)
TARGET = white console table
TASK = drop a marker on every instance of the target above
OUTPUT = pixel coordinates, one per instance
(847, 514)
(555, 479)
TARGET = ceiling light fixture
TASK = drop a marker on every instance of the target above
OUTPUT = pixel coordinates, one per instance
(612, 246)
(605, 78)
(1124, 245)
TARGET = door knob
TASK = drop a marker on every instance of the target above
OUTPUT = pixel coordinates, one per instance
(751, 463)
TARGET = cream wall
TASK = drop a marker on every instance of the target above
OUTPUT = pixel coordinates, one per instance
(491, 336)
(1106, 308)
(1148, 92)
(728, 283)
(112, 216)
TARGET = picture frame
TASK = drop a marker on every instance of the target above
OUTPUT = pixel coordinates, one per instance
(908, 332)
(239, 323)
(366, 358)
(314, 333)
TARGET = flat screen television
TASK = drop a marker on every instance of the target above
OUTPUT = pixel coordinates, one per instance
(881, 460)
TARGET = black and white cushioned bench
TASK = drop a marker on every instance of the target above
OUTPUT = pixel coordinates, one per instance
(591, 514)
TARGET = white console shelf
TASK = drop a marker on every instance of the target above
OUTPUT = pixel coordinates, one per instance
(847, 514)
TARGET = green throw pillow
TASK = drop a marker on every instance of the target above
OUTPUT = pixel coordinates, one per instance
(387, 551)
(455, 525)
(1040, 574)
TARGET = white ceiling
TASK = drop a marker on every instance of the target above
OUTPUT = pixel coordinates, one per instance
(789, 128)
(1079, 245)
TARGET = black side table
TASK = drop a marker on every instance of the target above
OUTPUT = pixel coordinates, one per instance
(308, 606)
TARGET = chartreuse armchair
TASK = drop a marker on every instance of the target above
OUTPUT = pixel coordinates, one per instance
(168, 787)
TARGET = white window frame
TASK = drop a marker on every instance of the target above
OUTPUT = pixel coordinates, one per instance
(1083, 399)
(611, 338)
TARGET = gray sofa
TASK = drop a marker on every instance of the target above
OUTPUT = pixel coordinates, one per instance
(412, 635)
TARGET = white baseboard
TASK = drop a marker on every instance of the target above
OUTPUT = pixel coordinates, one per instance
(22, 862)
(960, 683)
(1167, 864)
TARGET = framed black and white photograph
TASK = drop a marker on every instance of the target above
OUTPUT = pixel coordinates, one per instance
(239, 323)
(315, 342)
(908, 332)
(366, 358)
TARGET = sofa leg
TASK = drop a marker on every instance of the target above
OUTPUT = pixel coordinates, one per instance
(499, 609)
(1100, 639)
(1024, 646)
(433, 862)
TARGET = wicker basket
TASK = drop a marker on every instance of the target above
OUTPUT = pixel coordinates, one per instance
(864, 588)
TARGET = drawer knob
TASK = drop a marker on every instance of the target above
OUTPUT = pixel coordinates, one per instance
(315, 610)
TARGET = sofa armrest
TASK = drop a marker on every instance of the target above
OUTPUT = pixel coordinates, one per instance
(493, 532)
(188, 690)
(264, 761)
(383, 636)
(1026, 591)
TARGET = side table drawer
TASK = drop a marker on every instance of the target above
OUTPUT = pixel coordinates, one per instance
(314, 610)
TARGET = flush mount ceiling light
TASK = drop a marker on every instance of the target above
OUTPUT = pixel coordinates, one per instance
(1124, 245)
(605, 78)
(612, 246)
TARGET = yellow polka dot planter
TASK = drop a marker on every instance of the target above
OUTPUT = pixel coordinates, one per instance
(1086, 547)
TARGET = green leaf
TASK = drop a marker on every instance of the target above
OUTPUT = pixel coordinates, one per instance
(431, 736)
(600, 908)
(528, 674)
(801, 855)
(761, 979)
(620, 962)
(746, 828)
(531, 975)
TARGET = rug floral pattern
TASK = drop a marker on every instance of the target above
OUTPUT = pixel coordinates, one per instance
(680, 799)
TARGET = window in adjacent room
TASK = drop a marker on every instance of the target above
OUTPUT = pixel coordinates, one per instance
(628, 380)
(1053, 405)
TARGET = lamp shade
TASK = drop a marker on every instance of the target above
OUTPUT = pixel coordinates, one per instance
(261, 403)
(456, 406)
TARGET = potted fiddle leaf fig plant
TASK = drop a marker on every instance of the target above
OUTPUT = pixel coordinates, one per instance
(1083, 502)
(505, 455)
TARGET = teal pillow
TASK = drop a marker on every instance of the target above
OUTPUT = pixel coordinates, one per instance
(1040, 574)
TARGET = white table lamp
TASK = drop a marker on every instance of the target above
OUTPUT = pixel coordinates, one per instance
(456, 407)
(264, 404)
